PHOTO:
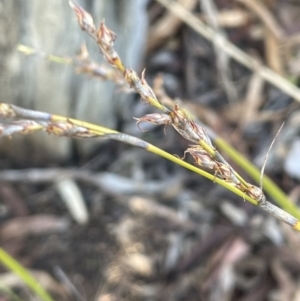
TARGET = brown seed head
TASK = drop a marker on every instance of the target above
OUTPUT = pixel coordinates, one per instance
(85, 20)
(132, 78)
(137, 84)
(204, 159)
(255, 193)
(182, 124)
(105, 37)
(201, 157)
(155, 118)
(59, 128)
(200, 132)
(68, 129)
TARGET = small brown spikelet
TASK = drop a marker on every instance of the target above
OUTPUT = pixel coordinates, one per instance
(105, 37)
(59, 128)
(200, 132)
(178, 115)
(204, 159)
(137, 84)
(182, 124)
(155, 118)
(141, 86)
(255, 193)
(201, 157)
(133, 79)
(85, 20)
(68, 129)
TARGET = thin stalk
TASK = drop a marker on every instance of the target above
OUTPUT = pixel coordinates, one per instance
(19, 270)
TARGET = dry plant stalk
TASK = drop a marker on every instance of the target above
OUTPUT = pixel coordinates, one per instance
(19, 120)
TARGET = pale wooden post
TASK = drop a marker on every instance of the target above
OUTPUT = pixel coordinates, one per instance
(30, 82)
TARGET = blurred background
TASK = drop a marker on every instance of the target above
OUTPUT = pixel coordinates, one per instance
(100, 220)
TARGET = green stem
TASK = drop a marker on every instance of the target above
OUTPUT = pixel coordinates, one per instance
(19, 270)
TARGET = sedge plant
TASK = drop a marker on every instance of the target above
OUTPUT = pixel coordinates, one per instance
(206, 156)
(24, 121)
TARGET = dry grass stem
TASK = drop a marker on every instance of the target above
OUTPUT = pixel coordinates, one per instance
(166, 26)
(233, 51)
(274, 34)
(266, 17)
(253, 100)
(210, 9)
